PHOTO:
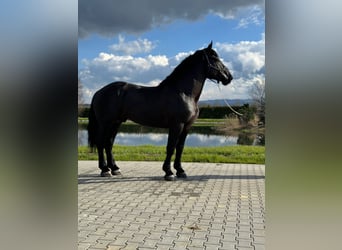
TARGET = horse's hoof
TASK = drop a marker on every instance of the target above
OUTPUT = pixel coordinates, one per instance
(182, 175)
(106, 174)
(116, 172)
(170, 177)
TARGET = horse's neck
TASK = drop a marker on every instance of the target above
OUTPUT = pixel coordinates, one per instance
(192, 85)
(197, 90)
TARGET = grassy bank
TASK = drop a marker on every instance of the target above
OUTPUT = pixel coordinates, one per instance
(198, 122)
(226, 154)
(202, 126)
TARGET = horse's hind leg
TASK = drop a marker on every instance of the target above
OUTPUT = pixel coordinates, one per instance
(105, 143)
(105, 171)
(109, 150)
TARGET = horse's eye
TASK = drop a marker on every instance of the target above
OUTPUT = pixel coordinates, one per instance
(214, 55)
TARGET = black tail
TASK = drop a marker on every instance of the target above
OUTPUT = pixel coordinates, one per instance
(92, 128)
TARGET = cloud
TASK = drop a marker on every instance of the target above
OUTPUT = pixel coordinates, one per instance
(132, 47)
(246, 57)
(110, 18)
(245, 60)
(254, 15)
(238, 89)
(108, 67)
(181, 55)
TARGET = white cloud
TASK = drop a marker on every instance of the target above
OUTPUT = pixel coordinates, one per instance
(253, 15)
(246, 57)
(159, 60)
(181, 55)
(132, 47)
(124, 65)
(252, 61)
(87, 93)
(238, 89)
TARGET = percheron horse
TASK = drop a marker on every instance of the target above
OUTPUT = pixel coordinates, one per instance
(172, 104)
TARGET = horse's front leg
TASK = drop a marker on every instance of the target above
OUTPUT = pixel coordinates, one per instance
(172, 141)
(179, 151)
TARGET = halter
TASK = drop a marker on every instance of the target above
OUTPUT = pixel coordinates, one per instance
(211, 67)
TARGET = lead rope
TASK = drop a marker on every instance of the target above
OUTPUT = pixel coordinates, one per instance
(225, 101)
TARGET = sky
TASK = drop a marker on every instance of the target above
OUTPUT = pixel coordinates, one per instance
(143, 41)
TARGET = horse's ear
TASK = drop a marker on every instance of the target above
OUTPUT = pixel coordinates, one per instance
(210, 45)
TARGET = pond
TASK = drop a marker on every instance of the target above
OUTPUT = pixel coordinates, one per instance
(193, 139)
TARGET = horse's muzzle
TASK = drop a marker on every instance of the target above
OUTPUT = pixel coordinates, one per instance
(227, 79)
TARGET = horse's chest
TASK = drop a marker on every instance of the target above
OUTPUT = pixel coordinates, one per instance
(189, 107)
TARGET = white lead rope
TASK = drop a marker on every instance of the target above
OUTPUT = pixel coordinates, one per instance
(237, 113)
(225, 101)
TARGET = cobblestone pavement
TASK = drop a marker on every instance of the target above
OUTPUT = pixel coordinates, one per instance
(219, 206)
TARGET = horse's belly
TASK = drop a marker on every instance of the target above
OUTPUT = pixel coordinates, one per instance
(150, 118)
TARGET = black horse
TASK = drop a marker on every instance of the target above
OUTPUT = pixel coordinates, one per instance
(172, 104)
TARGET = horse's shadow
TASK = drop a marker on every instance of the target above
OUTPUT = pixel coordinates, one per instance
(95, 178)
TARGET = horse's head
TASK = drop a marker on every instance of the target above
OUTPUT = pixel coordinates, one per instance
(216, 69)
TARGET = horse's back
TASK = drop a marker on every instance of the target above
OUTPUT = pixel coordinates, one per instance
(107, 101)
(109, 89)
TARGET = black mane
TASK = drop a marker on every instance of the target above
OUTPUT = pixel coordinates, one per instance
(181, 69)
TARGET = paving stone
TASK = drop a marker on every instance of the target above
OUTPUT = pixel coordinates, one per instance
(197, 242)
(243, 243)
(227, 245)
(163, 247)
(213, 240)
(84, 246)
(194, 248)
(166, 240)
(209, 246)
(259, 239)
(132, 245)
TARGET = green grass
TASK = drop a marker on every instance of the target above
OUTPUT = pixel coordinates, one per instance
(224, 154)
(199, 121)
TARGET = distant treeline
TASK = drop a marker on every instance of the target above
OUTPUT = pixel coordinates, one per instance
(205, 112)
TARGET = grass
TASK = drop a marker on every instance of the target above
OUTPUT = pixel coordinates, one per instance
(198, 122)
(224, 154)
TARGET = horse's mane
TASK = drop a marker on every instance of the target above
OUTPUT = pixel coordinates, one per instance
(183, 67)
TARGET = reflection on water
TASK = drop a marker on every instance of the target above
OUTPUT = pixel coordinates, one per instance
(251, 139)
(160, 139)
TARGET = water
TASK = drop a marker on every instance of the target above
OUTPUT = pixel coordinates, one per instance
(160, 139)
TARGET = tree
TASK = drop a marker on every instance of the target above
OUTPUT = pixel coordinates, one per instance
(247, 114)
(257, 93)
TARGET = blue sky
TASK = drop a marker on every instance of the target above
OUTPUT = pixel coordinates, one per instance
(146, 49)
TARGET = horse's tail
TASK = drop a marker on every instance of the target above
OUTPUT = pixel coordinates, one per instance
(92, 127)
